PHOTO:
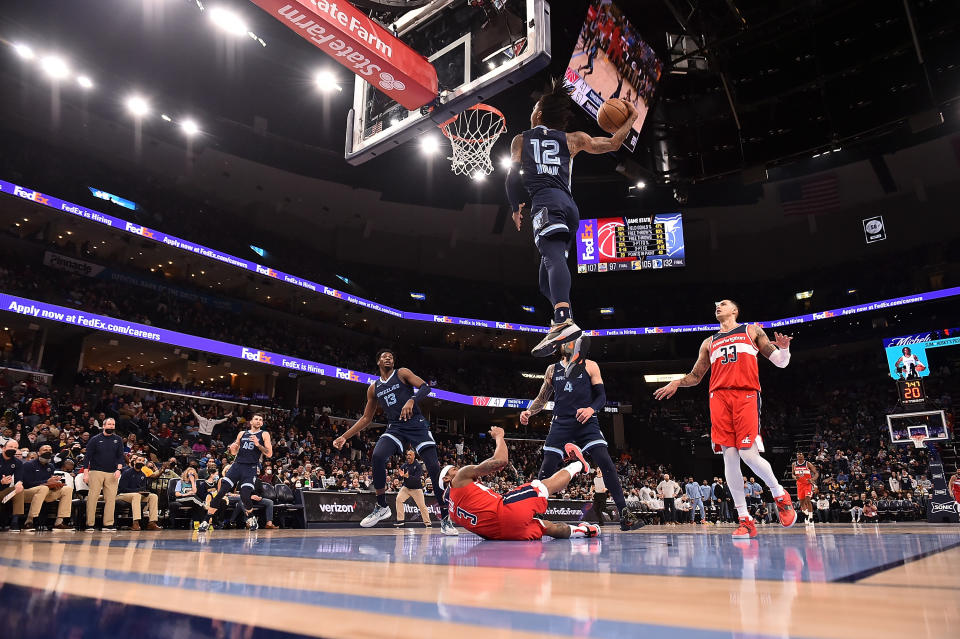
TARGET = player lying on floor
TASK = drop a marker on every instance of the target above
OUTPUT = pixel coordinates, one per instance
(513, 516)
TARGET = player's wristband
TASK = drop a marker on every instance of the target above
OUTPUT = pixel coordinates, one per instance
(599, 397)
(516, 193)
(422, 392)
(780, 357)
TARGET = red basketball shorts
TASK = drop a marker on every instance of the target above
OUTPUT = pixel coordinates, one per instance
(517, 521)
(734, 417)
(804, 490)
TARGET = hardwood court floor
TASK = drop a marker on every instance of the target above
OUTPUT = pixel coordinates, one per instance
(891, 580)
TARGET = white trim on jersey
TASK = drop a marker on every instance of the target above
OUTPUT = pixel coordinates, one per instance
(384, 381)
(742, 347)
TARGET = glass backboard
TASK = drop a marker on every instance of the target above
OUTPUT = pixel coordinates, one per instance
(478, 47)
(932, 424)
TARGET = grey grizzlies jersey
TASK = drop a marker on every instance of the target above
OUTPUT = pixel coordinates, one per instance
(570, 393)
(392, 395)
(249, 453)
(545, 160)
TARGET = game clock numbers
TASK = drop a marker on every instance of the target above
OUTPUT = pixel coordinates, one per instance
(911, 391)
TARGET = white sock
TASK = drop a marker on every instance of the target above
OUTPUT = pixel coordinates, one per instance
(742, 511)
(573, 468)
(751, 457)
(731, 469)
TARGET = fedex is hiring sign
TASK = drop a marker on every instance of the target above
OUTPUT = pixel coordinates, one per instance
(361, 45)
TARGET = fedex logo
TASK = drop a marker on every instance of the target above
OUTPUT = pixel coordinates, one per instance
(587, 247)
(654, 329)
(332, 292)
(33, 196)
(256, 356)
(823, 315)
(350, 376)
(505, 325)
(139, 230)
(263, 270)
(443, 319)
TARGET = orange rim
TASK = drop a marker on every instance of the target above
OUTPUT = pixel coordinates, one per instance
(476, 107)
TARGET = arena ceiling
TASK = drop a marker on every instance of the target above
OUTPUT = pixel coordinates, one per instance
(784, 80)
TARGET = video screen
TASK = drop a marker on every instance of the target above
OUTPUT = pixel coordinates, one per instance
(908, 356)
(631, 243)
(611, 60)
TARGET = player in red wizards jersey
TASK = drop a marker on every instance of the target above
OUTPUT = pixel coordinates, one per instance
(513, 516)
(806, 475)
(731, 357)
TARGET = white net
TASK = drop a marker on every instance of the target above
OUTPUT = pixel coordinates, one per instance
(472, 135)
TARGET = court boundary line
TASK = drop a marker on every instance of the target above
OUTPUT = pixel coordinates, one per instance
(896, 563)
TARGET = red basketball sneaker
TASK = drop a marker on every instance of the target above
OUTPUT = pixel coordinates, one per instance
(788, 516)
(746, 530)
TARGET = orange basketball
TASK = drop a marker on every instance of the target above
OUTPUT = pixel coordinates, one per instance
(612, 115)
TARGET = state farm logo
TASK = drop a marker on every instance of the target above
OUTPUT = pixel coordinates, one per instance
(388, 82)
(481, 401)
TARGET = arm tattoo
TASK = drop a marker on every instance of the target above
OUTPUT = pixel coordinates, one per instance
(545, 391)
(699, 369)
(763, 342)
(490, 466)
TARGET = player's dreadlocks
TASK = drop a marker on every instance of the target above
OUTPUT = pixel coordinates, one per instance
(555, 105)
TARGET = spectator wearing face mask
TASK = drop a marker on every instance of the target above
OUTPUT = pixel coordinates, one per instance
(104, 461)
(133, 490)
(11, 474)
(40, 485)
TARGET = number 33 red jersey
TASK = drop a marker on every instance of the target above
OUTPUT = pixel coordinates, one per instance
(733, 361)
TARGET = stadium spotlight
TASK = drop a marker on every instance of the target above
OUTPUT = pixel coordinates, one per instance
(54, 66)
(85, 81)
(165, 117)
(804, 295)
(24, 51)
(189, 127)
(228, 21)
(641, 184)
(506, 162)
(327, 81)
(429, 145)
(137, 106)
(478, 176)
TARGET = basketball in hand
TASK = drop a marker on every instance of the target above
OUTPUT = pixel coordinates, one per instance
(612, 115)
(921, 368)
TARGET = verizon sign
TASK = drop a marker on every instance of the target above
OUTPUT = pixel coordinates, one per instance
(361, 45)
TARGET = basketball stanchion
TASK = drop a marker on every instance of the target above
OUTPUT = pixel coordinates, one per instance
(472, 135)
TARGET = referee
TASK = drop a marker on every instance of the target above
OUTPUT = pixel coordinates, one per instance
(600, 496)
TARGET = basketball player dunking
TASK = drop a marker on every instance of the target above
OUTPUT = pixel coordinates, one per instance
(399, 392)
(539, 178)
(514, 516)
(578, 395)
(806, 475)
(731, 358)
(250, 447)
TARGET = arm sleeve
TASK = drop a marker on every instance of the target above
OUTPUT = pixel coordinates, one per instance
(516, 192)
(599, 397)
(422, 393)
(780, 357)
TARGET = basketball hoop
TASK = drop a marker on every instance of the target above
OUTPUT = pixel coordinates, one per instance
(472, 135)
(918, 441)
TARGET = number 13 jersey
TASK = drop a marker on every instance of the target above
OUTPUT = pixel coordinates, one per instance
(733, 361)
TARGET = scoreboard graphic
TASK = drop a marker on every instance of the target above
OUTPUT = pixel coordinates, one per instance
(630, 243)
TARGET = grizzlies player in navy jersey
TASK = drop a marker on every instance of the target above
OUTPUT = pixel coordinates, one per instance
(578, 394)
(539, 179)
(250, 447)
(398, 392)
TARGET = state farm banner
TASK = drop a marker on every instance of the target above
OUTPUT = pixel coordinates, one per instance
(361, 45)
(323, 507)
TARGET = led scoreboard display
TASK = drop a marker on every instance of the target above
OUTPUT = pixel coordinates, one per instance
(911, 391)
(630, 243)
